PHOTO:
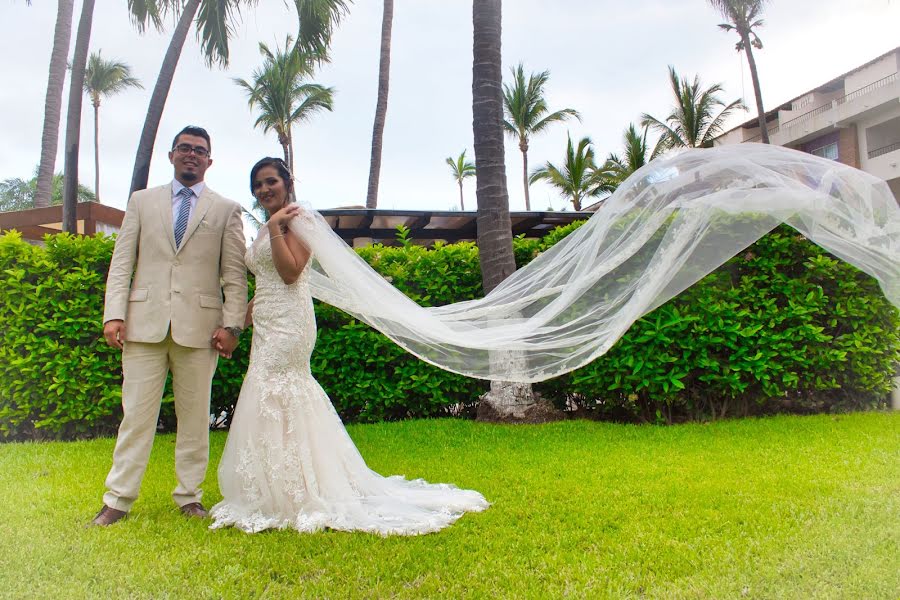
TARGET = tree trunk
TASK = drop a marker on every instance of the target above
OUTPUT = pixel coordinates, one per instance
(462, 206)
(62, 35)
(505, 401)
(73, 118)
(525, 179)
(290, 162)
(144, 155)
(96, 104)
(384, 72)
(754, 77)
(494, 226)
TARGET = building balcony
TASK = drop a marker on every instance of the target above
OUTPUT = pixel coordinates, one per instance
(884, 150)
(840, 112)
(884, 162)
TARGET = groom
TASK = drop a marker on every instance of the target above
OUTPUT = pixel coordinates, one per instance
(180, 247)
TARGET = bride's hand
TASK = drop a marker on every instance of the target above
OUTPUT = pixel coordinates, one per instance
(281, 218)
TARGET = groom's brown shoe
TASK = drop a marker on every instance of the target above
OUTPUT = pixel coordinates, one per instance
(194, 509)
(107, 516)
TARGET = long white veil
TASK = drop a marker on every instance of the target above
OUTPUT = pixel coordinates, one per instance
(667, 226)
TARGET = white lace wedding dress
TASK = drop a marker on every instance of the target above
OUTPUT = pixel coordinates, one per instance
(288, 461)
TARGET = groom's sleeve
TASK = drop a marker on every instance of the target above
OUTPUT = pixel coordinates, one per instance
(232, 270)
(121, 267)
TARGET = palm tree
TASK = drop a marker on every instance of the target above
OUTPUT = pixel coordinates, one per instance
(21, 194)
(743, 17)
(526, 113)
(284, 99)
(617, 169)
(693, 122)
(505, 400)
(317, 19)
(104, 78)
(461, 169)
(62, 35)
(73, 117)
(579, 177)
(384, 69)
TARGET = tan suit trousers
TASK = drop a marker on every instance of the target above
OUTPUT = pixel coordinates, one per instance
(144, 367)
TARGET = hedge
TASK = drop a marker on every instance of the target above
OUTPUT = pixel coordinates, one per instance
(781, 327)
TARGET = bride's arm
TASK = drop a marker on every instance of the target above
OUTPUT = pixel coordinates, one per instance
(248, 319)
(288, 253)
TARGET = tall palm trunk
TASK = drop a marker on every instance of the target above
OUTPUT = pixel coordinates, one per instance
(523, 146)
(494, 225)
(384, 71)
(62, 35)
(290, 151)
(73, 118)
(96, 103)
(754, 76)
(462, 206)
(504, 401)
(158, 99)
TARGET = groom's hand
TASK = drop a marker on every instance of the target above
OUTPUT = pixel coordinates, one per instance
(223, 342)
(114, 333)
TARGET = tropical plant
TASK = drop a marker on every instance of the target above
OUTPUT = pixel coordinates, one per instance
(526, 113)
(62, 35)
(617, 169)
(744, 17)
(283, 98)
(215, 19)
(506, 400)
(21, 194)
(73, 117)
(578, 178)
(461, 169)
(104, 78)
(384, 72)
(694, 121)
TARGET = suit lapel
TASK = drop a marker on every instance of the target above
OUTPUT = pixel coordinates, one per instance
(204, 202)
(165, 207)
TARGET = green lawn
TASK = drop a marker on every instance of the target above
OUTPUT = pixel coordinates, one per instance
(786, 507)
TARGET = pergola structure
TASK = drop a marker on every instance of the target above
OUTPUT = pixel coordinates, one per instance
(35, 223)
(361, 226)
(356, 225)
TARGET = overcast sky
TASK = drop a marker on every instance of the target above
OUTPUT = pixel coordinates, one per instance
(607, 59)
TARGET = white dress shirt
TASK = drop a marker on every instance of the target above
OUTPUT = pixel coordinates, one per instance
(177, 186)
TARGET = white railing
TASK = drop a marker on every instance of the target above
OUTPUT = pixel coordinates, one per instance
(884, 150)
(843, 99)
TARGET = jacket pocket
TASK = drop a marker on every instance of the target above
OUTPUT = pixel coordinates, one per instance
(138, 295)
(210, 301)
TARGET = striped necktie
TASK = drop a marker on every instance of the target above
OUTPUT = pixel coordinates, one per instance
(183, 213)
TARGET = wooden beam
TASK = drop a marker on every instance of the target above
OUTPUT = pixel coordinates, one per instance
(525, 225)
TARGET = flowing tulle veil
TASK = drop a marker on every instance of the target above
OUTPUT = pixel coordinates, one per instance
(667, 226)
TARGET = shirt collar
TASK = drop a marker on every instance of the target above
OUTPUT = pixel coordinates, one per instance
(177, 186)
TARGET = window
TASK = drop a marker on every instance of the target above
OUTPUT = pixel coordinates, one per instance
(829, 151)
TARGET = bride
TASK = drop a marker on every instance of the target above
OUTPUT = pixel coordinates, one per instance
(288, 461)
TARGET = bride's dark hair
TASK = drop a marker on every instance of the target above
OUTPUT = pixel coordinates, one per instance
(283, 172)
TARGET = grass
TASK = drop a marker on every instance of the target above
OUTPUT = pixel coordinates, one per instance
(785, 507)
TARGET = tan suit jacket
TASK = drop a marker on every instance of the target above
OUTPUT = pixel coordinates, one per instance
(152, 285)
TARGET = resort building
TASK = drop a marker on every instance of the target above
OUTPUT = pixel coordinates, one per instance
(853, 119)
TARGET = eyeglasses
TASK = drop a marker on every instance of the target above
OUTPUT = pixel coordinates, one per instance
(185, 149)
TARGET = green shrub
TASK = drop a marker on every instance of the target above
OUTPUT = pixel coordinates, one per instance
(781, 327)
(57, 375)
